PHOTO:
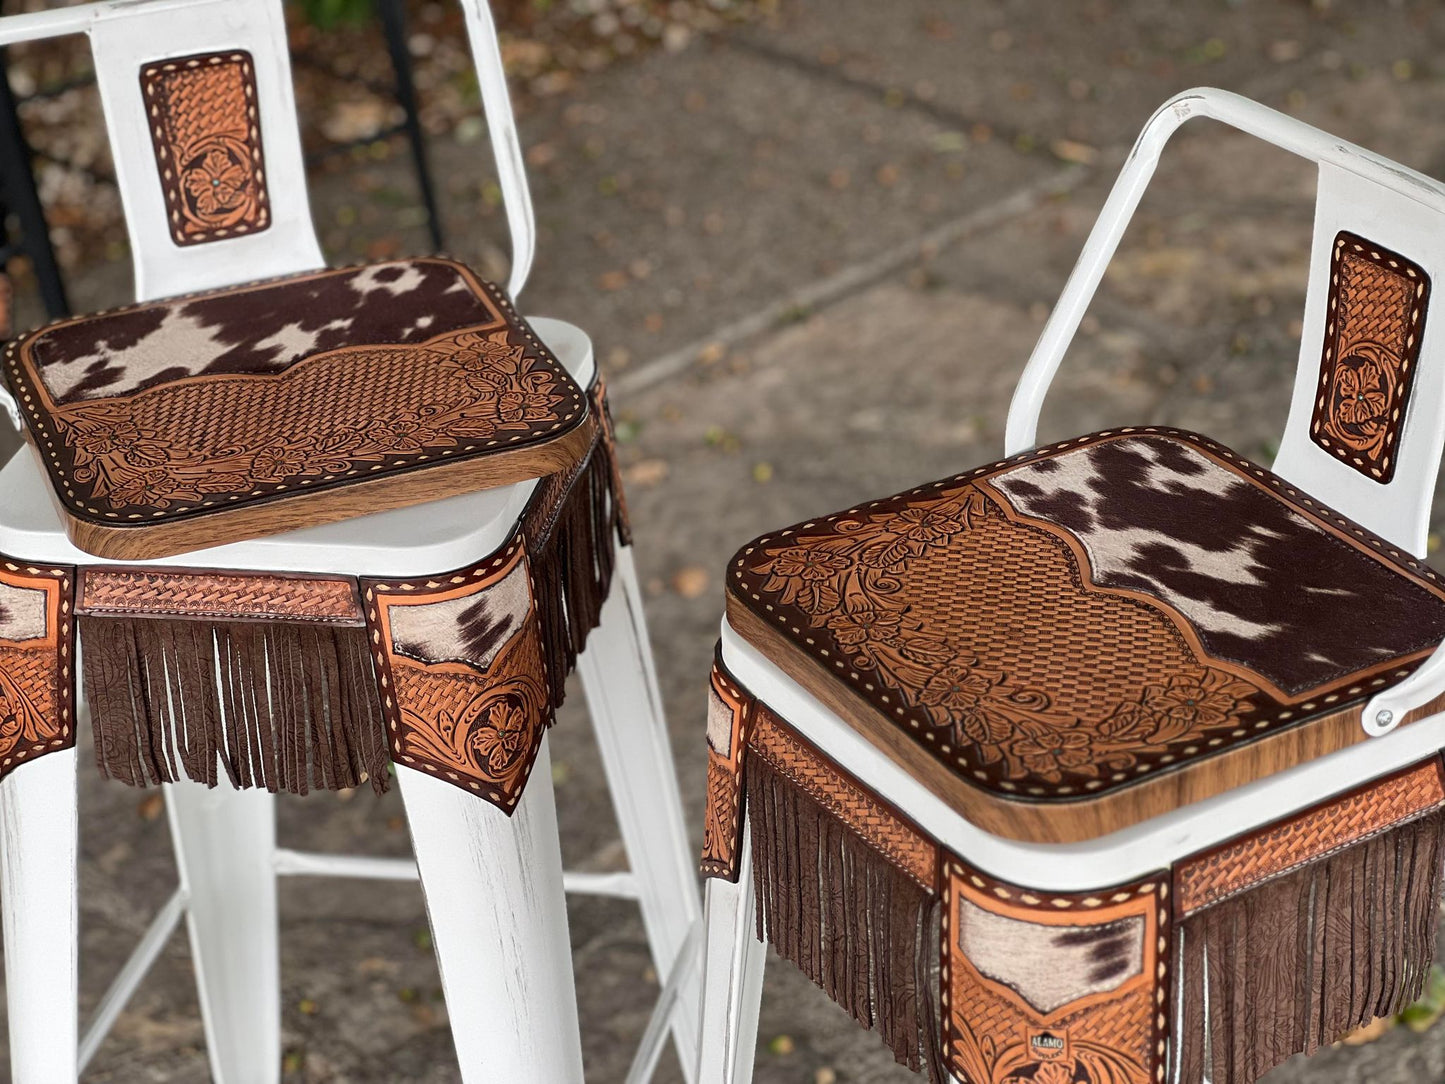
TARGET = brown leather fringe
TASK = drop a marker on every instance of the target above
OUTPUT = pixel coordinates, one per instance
(852, 921)
(1300, 961)
(572, 527)
(283, 705)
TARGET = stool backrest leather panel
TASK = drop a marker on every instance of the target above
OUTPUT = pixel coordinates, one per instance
(201, 116)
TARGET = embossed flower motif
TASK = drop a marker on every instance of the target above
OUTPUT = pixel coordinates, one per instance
(217, 182)
(521, 406)
(1049, 755)
(114, 435)
(1049, 1072)
(929, 524)
(276, 462)
(807, 564)
(862, 622)
(1362, 394)
(501, 738)
(958, 686)
(1195, 701)
(491, 357)
(398, 435)
(153, 487)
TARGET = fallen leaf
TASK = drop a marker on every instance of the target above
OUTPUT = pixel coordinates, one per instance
(690, 582)
(645, 472)
(782, 1044)
(307, 1007)
(1069, 150)
(151, 807)
(763, 473)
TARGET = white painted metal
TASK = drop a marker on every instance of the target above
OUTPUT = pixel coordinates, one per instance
(733, 960)
(10, 408)
(622, 695)
(644, 1062)
(1359, 191)
(225, 843)
(150, 946)
(1107, 860)
(499, 924)
(39, 897)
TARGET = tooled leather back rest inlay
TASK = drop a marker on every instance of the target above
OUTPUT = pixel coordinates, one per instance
(1064, 624)
(179, 406)
(1374, 322)
(206, 129)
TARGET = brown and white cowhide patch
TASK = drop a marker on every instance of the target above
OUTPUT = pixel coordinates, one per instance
(471, 629)
(1261, 584)
(261, 330)
(22, 614)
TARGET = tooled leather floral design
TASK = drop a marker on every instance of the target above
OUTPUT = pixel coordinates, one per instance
(35, 689)
(850, 584)
(205, 127)
(482, 386)
(1376, 316)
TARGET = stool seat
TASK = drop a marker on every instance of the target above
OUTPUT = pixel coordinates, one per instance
(1098, 632)
(218, 417)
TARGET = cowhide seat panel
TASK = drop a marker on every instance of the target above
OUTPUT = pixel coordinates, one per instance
(1074, 640)
(205, 419)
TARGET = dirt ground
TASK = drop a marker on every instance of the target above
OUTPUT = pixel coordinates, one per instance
(815, 251)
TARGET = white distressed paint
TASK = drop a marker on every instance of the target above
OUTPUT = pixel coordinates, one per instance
(38, 892)
(733, 960)
(499, 923)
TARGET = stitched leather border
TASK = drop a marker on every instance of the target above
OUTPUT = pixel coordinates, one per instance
(37, 675)
(126, 592)
(1374, 323)
(205, 127)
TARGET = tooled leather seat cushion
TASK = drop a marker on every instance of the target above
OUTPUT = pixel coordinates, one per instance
(1073, 622)
(244, 397)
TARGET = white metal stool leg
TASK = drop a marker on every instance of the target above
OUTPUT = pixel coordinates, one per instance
(225, 841)
(499, 924)
(622, 694)
(38, 884)
(732, 977)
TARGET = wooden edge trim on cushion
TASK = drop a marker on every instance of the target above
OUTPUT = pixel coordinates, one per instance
(164, 593)
(37, 652)
(205, 126)
(1075, 819)
(1374, 325)
(729, 712)
(1237, 866)
(1055, 988)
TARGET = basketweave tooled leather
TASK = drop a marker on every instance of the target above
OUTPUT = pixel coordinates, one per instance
(1070, 622)
(206, 130)
(1374, 323)
(1239, 865)
(37, 682)
(234, 398)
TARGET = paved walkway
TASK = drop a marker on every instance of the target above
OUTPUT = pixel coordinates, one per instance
(814, 256)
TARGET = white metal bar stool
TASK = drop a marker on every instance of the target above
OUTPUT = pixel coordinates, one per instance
(494, 884)
(1119, 759)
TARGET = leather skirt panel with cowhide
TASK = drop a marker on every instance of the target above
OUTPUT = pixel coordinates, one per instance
(299, 682)
(37, 652)
(1218, 969)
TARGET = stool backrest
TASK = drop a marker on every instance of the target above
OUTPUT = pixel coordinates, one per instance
(1367, 417)
(201, 115)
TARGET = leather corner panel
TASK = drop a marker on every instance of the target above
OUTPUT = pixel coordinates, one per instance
(1374, 322)
(37, 650)
(729, 709)
(206, 130)
(463, 674)
(1051, 988)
